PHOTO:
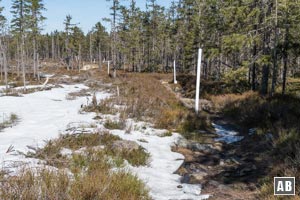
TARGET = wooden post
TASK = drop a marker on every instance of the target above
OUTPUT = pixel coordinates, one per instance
(198, 81)
(175, 81)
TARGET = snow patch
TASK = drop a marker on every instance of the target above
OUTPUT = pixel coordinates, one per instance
(159, 174)
(41, 119)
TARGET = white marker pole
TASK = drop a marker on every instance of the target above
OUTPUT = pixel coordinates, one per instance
(108, 68)
(175, 81)
(198, 81)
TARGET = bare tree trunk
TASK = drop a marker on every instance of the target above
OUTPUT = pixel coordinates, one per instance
(3, 62)
(18, 55)
(91, 48)
(68, 60)
(38, 66)
(79, 58)
(34, 58)
(285, 60)
(23, 60)
(275, 65)
(5, 70)
(58, 48)
(266, 69)
(53, 47)
(100, 56)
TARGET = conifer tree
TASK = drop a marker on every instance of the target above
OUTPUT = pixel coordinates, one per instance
(2, 18)
(68, 29)
(101, 40)
(20, 25)
(36, 18)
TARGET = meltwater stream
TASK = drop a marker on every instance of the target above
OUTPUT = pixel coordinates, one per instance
(226, 135)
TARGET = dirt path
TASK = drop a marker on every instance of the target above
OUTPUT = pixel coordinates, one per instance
(226, 171)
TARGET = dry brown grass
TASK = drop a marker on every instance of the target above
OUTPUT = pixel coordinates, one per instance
(92, 180)
(44, 184)
(148, 100)
(145, 98)
(221, 101)
(51, 152)
(91, 174)
(8, 121)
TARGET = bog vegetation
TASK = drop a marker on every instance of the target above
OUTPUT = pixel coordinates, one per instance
(251, 70)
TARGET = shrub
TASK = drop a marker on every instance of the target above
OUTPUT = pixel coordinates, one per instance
(136, 157)
(120, 124)
(51, 152)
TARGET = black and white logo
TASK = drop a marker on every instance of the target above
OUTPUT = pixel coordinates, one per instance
(284, 185)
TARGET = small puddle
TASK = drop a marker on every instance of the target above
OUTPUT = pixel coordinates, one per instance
(226, 134)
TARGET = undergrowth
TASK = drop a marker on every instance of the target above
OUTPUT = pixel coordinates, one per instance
(90, 173)
(276, 120)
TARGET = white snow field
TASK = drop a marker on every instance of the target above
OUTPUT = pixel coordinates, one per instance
(159, 175)
(43, 116)
(46, 114)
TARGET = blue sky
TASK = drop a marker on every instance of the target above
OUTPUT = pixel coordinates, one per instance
(85, 12)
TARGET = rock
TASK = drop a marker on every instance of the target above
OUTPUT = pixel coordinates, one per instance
(227, 174)
(223, 187)
(240, 186)
(235, 160)
(245, 171)
(213, 183)
(194, 178)
(97, 118)
(252, 131)
(218, 146)
(143, 140)
(181, 171)
(177, 89)
(182, 142)
(179, 186)
(198, 178)
(185, 178)
(205, 104)
(222, 163)
(125, 145)
(188, 154)
(206, 148)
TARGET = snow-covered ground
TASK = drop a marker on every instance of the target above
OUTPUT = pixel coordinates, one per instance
(46, 114)
(159, 174)
(43, 116)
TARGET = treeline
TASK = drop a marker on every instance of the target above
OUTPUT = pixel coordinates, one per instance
(259, 37)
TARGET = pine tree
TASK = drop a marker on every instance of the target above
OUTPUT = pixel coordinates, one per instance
(2, 18)
(101, 41)
(68, 29)
(76, 44)
(36, 18)
(115, 9)
(20, 25)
